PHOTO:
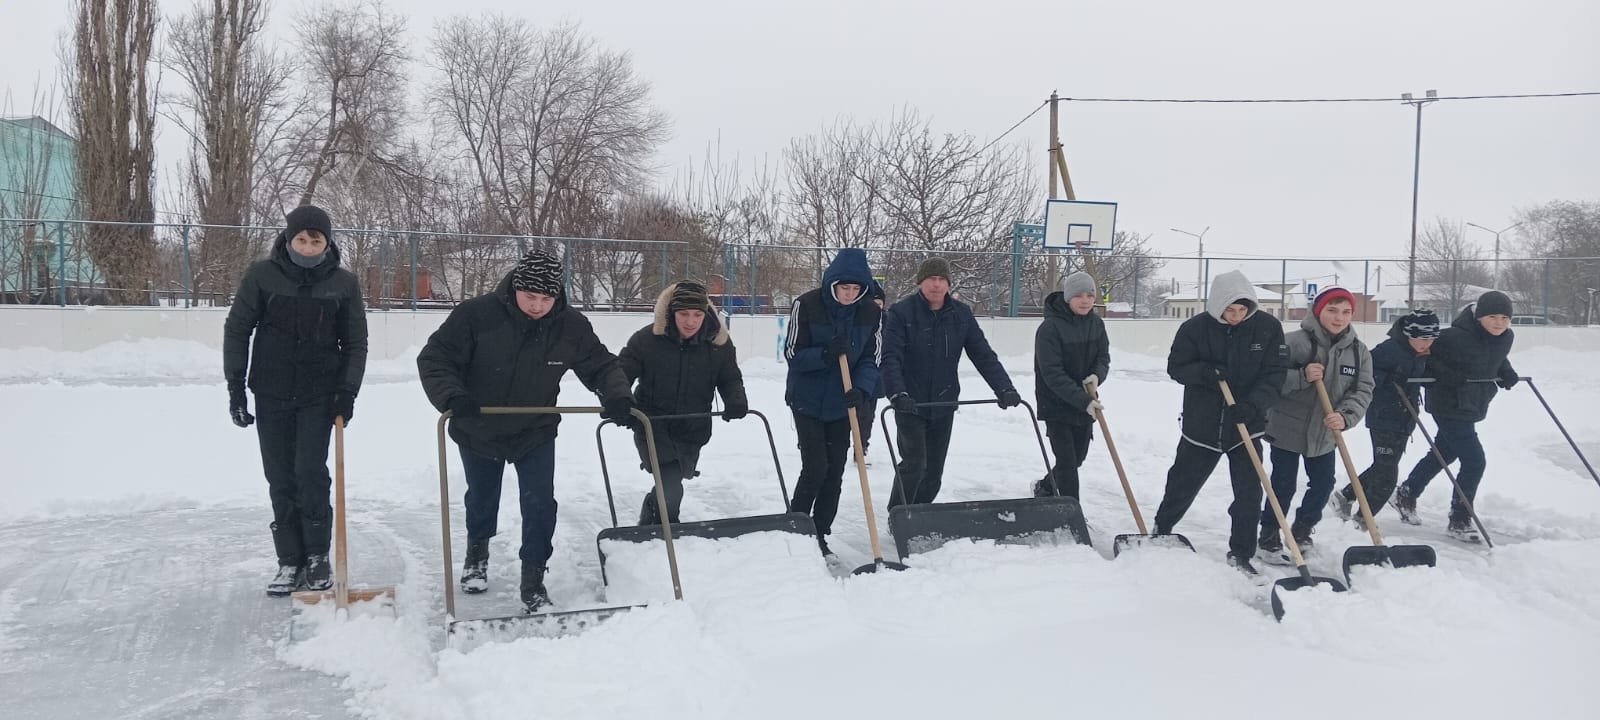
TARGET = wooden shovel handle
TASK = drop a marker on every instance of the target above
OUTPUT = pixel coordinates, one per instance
(1349, 467)
(341, 576)
(861, 464)
(1092, 386)
(1266, 484)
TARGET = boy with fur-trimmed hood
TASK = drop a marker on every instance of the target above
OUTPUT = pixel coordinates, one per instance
(680, 360)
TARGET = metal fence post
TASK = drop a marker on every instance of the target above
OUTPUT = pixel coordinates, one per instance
(1138, 260)
(1283, 282)
(1546, 291)
(1016, 267)
(566, 269)
(752, 299)
(188, 275)
(413, 271)
(61, 263)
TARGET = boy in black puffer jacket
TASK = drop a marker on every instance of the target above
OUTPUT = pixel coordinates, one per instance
(1069, 347)
(1395, 362)
(1469, 365)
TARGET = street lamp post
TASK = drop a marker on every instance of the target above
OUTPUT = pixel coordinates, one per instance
(1200, 264)
(1496, 234)
(1416, 176)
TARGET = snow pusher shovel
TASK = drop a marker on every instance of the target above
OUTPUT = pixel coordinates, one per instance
(1444, 465)
(790, 522)
(1144, 538)
(1289, 584)
(1398, 556)
(342, 594)
(921, 527)
(1562, 428)
(878, 563)
(549, 624)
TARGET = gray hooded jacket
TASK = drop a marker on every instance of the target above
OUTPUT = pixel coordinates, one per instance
(1294, 423)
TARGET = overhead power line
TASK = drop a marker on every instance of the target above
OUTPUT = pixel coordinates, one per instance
(1518, 96)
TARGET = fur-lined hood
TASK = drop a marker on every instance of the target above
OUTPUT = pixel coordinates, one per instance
(662, 318)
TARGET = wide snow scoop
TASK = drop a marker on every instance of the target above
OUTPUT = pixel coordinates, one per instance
(1289, 584)
(790, 522)
(878, 563)
(342, 594)
(921, 527)
(1399, 556)
(1144, 538)
(466, 632)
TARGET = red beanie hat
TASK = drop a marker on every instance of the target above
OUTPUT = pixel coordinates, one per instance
(1329, 294)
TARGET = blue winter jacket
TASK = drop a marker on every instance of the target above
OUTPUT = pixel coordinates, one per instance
(815, 388)
(1394, 362)
(922, 352)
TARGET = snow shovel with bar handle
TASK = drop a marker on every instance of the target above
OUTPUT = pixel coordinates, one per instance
(1145, 537)
(1289, 584)
(878, 563)
(1562, 428)
(1444, 465)
(1399, 556)
(462, 633)
(341, 594)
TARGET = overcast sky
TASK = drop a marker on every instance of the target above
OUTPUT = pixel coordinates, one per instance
(1267, 179)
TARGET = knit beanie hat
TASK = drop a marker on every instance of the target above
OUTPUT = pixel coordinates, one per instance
(1329, 294)
(1077, 283)
(688, 295)
(308, 217)
(538, 272)
(1420, 325)
(1493, 302)
(933, 267)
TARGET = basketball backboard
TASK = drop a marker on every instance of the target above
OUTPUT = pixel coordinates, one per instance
(1074, 224)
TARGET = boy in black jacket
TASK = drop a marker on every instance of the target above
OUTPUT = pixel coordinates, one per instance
(1235, 342)
(1469, 364)
(510, 348)
(1069, 347)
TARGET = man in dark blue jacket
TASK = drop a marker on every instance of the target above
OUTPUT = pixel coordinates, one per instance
(833, 321)
(924, 336)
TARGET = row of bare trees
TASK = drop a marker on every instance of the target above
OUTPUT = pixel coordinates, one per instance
(1563, 235)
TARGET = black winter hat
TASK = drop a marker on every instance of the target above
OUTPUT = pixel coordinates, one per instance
(1493, 302)
(1420, 324)
(933, 267)
(538, 272)
(688, 295)
(308, 217)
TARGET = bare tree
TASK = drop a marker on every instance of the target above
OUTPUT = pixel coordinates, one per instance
(1445, 255)
(1567, 235)
(113, 110)
(234, 90)
(831, 198)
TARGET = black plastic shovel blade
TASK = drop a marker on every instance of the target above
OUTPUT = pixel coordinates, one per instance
(1400, 556)
(797, 523)
(876, 565)
(1304, 580)
(1023, 521)
(1156, 540)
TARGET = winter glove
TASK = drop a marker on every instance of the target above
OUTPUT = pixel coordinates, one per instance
(853, 398)
(1009, 398)
(619, 410)
(1506, 382)
(239, 408)
(461, 406)
(838, 347)
(734, 411)
(903, 403)
(1240, 414)
(1094, 408)
(344, 405)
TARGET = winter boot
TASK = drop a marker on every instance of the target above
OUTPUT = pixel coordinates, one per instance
(288, 580)
(1270, 542)
(1242, 565)
(534, 596)
(1407, 507)
(475, 569)
(822, 543)
(1042, 489)
(649, 514)
(1341, 503)
(1464, 531)
(319, 572)
(1302, 536)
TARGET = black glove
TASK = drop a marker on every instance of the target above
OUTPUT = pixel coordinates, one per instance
(734, 411)
(619, 410)
(239, 408)
(1507, 382)
(461, 406)
(838, 347)
(1240, 414)
(1009, 398)
(853, 398)
(344, 405)
(903, 403)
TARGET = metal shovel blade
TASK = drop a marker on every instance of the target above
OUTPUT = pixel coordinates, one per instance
(1304, 580)
(877, 565)
(464, 635)
(1399, 556)
(1156, 540)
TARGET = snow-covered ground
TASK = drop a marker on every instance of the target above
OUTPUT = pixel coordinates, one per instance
(134, 548)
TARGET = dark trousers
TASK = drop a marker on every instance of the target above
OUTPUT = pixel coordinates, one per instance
(294, 441)
(1286, 475)
(1191, 468)
(869, 415)
(1456, 441)
(824, 447)
(536, 494)
(672, 477)
(1070, 444)
(924, 443)
(1379, 479)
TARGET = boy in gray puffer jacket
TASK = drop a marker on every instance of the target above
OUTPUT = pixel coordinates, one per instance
(1324, 348)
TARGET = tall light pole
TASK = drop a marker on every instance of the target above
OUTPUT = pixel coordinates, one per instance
(1200, 264)
(1416, 176)
(1496, 234)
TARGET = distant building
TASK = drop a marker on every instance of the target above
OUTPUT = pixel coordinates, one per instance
(39, 259)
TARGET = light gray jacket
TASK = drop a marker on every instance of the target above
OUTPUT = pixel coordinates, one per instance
(1294, 423)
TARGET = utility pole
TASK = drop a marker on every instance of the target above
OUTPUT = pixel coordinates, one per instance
(1496, 234)
(1053, 141)
(1416, 176)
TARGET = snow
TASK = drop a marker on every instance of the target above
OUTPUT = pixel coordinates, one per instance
(135, 518)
